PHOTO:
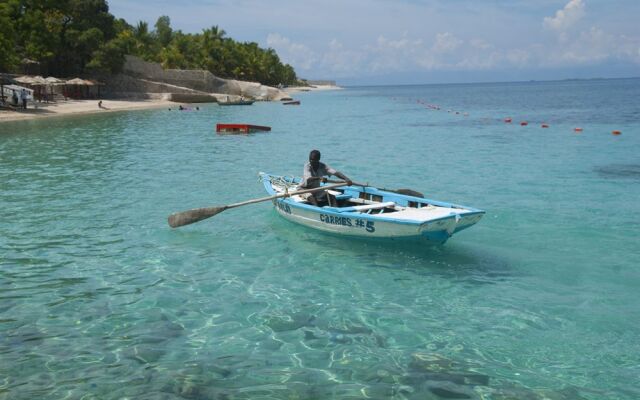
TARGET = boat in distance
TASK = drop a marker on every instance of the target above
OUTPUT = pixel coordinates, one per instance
(241, 102)
(370, 212)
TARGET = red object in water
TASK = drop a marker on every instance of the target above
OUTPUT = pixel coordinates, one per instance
(524, 123)
(507, 120)
(616, 132)
(545, 125)
(241, 128)
(577, 129)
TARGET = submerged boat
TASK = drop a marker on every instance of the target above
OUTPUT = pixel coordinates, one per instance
(369, 212)
(240, 128)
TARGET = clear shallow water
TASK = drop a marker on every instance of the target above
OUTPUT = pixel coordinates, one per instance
(99, 298)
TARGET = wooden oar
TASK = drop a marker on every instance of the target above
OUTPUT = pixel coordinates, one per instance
(407, 192)
(198, 214)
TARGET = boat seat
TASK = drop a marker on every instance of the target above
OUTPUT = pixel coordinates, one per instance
(339, 195)
(367, 207)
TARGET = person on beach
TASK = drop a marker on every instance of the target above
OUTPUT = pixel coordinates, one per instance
(23, 96)
(100, 104)
(14, 98)
(316, 172)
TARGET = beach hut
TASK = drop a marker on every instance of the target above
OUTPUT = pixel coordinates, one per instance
(53, 81)
(76, 83)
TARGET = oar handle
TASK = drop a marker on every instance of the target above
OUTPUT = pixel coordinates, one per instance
(198, 214)
(287, 194)
(352, 183)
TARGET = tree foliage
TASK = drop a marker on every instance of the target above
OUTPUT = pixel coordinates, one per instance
(75, 37)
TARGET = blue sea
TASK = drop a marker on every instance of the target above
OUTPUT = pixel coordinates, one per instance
(101, 299)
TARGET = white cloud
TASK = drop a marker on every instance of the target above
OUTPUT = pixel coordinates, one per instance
(480, 44)
(296, 54)
(446, 51)
(392, 54)
(591, 46)
(446, 42)
(567, 17)
(341, 61)
(629, 48)
(519, 57)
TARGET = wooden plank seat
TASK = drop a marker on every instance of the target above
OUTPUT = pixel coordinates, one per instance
(339, 195)
(366, 207)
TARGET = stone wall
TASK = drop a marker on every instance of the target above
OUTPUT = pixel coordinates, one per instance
(142, 76)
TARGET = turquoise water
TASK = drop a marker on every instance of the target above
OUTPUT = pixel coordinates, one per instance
(100, 299)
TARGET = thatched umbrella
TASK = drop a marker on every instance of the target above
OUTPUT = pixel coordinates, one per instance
(24, 79)
(76, 82)
(31, 81)
(52, 81)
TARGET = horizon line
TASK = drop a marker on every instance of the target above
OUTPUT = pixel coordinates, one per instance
(484, 82)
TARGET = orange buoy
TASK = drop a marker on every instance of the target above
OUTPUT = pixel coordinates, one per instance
(577, 129)
(507, 120)
(524, 123)
(616, 132)
(545, 125)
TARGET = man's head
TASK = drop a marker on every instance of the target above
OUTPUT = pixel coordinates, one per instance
(314, 158)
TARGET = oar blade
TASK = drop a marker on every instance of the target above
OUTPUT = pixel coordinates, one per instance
(190, 216)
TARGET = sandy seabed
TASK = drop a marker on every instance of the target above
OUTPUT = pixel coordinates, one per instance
(74, 107)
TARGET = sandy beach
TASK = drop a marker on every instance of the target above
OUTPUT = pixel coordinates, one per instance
(76, 107)
(297, 89)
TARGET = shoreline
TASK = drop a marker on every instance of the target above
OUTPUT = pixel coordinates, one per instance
(80, 107)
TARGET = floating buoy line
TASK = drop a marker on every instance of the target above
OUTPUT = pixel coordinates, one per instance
(507, 120)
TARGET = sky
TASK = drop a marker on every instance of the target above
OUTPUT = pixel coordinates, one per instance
(377, 42)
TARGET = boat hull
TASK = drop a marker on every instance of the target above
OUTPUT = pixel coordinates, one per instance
(356, 224)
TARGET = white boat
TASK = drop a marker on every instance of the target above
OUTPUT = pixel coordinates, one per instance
(369, 212)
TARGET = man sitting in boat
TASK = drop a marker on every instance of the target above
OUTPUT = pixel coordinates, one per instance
(316, 172)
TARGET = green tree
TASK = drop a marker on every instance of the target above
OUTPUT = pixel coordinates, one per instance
(164, 33)
(8, 51)
(69, 37)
